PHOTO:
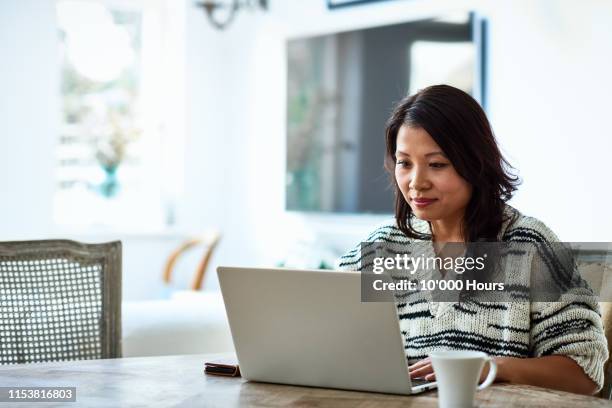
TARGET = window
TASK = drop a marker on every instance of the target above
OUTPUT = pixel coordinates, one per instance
(114, 169)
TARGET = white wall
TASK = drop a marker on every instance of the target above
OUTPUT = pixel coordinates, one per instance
(550, 109)
(29, 116)
(549, 70)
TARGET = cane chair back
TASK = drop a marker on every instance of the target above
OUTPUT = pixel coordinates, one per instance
(59, 300)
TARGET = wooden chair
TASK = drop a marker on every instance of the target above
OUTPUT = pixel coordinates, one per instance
(209, 242)
(189, 320)
(606, 316)
(60, 300)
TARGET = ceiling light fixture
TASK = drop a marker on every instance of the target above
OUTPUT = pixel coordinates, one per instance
(221, 14)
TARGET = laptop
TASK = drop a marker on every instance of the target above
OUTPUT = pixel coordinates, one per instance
(309, 327)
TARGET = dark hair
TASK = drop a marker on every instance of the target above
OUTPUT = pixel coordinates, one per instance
(460, 127)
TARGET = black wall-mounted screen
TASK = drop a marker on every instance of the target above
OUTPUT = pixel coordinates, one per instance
(340, 91)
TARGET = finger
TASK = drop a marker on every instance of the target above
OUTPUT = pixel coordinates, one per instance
(431, 377)
(420, 363)
(421, 372)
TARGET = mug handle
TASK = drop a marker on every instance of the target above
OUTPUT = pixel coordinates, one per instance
(491, 376)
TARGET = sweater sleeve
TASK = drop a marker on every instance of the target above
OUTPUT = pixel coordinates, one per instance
(571, 327)
(353, 259)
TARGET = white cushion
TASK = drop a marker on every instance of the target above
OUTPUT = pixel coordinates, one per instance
(188, 323)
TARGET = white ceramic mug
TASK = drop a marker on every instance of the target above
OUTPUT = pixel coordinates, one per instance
(457, 374)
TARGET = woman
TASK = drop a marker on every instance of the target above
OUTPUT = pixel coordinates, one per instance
(451, 185)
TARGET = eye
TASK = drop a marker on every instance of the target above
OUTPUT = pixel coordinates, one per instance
(403, 163)
(438, 165)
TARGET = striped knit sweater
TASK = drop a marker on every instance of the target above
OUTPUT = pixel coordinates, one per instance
(516, 329)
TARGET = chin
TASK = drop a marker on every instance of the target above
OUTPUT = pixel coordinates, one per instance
(424, 214)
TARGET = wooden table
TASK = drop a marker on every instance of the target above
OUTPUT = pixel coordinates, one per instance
(179, 381)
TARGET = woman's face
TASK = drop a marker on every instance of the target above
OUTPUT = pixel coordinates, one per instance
(427, 179)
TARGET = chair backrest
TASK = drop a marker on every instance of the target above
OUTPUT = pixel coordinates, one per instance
(606, 316)
(209, 242)
(59, 300)
(595, 265)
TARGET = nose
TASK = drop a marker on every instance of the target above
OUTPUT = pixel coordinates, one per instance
(419, 180)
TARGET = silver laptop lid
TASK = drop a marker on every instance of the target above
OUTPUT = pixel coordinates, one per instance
(310, 328)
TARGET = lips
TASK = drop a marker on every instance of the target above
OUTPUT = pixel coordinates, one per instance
(422, 202)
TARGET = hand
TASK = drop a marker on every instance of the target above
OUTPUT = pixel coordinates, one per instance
(424, 369)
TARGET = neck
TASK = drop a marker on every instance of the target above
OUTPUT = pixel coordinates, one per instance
(447, 230)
